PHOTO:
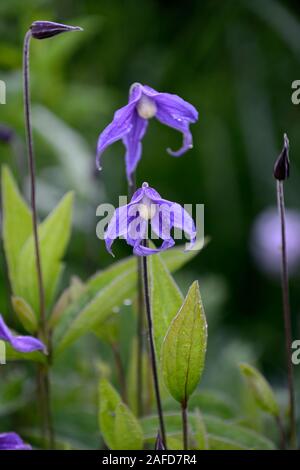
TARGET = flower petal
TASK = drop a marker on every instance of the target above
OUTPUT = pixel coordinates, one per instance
(141, 250)
(116, 130)
(24, 344)
(132, 142)
(174, 112)
(183, 220)
(12, 441)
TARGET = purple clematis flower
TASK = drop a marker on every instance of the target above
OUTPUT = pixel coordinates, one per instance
(23, 344)
(131, 121)
(12, 441)
(131, 222)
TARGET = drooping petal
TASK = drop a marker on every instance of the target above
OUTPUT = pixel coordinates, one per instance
(116, 130)
(181, 219)
(141, 250)
(24, 344)
(12, 441)
(174, 112)
(132, 142)
(120, 222)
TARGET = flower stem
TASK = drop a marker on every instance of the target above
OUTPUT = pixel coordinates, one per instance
(152, 349)
(184, 425)
(43, 371)
(281, 432)
(140, 321)
(287, 314)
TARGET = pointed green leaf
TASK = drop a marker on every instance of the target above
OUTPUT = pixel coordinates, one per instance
(166, 298)
(17, 225)
(25, 314)
(54, 234)
(128, 432)
(103, 291)
(184, 348)
(200, 436)
(119, 427)
(262, 391)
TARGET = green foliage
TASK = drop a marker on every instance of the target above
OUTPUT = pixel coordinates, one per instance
(200, 435)
(104, 291)
(262, 391)
(25, 314)
(54, 234)
(119, 427)
(184, 347)
(166, 299)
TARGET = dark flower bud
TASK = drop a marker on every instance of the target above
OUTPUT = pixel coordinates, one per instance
(282, 164)
(159, 445)
(6, 134)
(48, 29)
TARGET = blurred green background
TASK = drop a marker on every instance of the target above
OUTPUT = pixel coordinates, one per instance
(235, 61)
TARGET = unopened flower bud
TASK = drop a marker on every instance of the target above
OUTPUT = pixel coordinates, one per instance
(48, 29)
(282, 164)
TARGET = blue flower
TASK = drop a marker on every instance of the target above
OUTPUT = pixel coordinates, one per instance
(130, 123)
(146, 206)
(12, 441)
(23, 344)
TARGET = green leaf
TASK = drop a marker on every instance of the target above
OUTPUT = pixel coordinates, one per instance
(17, 225)
(262, 391)
(13, 355)
(25, 314)
(103, 291)
(201, 437)
(128, 432)
(221, 434)
(184, 347)
(119, 427)
(166, 299)
(54, 234)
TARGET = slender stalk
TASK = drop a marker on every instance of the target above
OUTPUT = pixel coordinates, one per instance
(140, 322)
(152, 349)
(43, 370)
(287, 314)
(184, 425)
(281, 432)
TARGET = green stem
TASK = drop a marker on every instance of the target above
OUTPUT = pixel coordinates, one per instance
(152, 349)
(184, 425)
(43, 371)
(287, 315)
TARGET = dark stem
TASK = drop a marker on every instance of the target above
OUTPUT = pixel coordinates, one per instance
(281, 432)
(140, 321)
(184, 425)
(152, 349)
(287, 314)
(43, 371)
(120, 371)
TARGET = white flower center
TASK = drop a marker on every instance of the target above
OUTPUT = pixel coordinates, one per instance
(147, 209)
(146, 107)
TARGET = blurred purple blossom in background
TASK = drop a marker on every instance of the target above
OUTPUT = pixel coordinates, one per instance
(266, 241)
(12, 441)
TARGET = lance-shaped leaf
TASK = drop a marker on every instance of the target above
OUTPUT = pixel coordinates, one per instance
(54, 234)
(16, 225)
(262, 391)
(119, 427)
(166, 299)
(201, 436)
(25, 314)
(104, 291)
(184, 348)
